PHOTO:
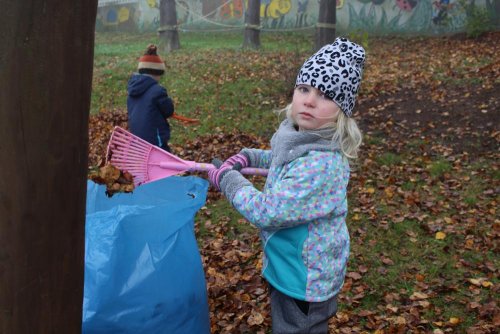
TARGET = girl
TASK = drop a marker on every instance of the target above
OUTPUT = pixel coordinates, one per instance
(302, 209)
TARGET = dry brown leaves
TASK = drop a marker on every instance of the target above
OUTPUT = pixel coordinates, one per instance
(238, 298)
(115, 180)
(100, 128)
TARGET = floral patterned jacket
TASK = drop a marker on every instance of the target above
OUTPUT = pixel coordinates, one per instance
(300, 212)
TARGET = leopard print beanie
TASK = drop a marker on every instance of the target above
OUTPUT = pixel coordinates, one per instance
(335, 70)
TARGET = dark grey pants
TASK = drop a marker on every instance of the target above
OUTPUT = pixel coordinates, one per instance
(291, 316)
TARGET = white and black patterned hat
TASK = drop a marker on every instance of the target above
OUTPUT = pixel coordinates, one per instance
(336, 70)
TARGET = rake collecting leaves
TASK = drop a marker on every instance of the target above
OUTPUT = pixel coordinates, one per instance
(148, 163)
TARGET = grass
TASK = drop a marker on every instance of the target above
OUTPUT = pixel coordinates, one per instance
(389, 159)
(439, 167)
(221, 211)
(472, 192)
(417, 258)
(435, 265)
(373, 140)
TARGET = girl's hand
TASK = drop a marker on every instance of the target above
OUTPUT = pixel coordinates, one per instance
(240, 158)
(215, 175)
(228, 177)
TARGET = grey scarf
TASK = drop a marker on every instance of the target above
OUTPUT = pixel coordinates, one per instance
(288, 143)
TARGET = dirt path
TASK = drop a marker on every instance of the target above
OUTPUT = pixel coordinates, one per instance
(465, 119)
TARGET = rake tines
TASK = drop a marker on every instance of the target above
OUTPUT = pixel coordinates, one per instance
(129, 153)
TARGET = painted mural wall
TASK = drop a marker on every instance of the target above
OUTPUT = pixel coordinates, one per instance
(373, 16)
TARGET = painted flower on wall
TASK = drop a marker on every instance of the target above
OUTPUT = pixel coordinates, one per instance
(153, 4)
(406, 5)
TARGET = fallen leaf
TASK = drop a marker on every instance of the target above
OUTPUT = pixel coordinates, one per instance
(486, 284)
(255, 318)
(418, 295)
(440, 235)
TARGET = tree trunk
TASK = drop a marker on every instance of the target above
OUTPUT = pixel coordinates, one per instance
(169, 35)
(325, 28)
(252, 25)
(496, 13)
(46, 61)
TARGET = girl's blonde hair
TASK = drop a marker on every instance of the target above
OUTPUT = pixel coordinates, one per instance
(348, 135)
(346, 132)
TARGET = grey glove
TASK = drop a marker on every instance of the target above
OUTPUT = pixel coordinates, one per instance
(232, 181)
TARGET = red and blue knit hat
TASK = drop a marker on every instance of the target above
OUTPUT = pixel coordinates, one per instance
(150, 62)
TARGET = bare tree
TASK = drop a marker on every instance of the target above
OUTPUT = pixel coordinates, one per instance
(169, 34)
(496, 13)
(325, 28)
(46, 60)
(252, 25)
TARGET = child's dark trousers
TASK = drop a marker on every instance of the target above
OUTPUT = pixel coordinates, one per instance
(292, 316)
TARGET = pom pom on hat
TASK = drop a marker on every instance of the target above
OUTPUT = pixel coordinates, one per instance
(336, 70)
(150, 62)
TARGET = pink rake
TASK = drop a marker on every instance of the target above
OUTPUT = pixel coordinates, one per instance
(148, 163)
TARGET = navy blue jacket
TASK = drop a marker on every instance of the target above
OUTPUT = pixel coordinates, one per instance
(149, 106)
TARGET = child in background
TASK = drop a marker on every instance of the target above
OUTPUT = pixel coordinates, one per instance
(302, 209)
(148, 103)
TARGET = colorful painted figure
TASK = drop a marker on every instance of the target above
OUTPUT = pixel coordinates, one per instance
(301, 13)
(442, 7)
(406, 5)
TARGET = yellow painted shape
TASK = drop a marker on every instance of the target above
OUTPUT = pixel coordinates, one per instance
(123, 14)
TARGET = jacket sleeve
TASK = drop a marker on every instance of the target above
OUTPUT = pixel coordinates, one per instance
(258, 158)
(311, 188)
(165, 103)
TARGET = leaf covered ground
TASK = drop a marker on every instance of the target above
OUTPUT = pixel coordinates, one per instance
(423, 196)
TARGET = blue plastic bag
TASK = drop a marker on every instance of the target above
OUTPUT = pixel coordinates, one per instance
(143, 270)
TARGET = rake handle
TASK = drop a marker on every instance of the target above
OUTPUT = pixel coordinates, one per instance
(203, 167)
